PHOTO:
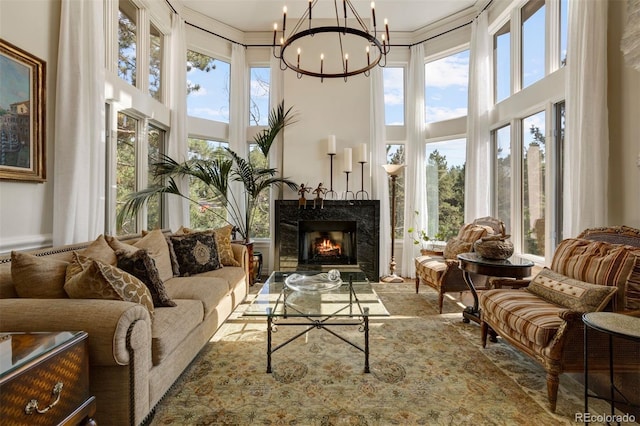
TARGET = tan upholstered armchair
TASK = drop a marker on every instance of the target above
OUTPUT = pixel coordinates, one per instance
(441, 272)
(599, 270)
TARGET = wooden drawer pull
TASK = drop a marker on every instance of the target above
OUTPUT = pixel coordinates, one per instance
(33, 404)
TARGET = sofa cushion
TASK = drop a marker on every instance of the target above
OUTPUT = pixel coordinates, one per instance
(92, 279)
(172, 325)
(143, 267)
(527, 314)
(208, 290)
(430, 268)
(196, 253)
(100, 250)
(595, 262)
(38, 277)
(156, 244)
(572, 294)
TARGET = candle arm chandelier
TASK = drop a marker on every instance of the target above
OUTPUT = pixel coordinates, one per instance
(376, 49)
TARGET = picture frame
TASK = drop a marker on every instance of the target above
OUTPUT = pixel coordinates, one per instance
(22, 115)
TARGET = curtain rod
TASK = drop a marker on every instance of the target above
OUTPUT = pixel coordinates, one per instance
(390, 45)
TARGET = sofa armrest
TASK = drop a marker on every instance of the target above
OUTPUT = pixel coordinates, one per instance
(114, 327)
(241, 254)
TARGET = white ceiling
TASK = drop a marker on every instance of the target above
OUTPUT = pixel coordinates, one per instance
(259, 15)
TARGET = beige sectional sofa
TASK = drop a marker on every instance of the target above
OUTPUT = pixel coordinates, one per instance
(136, 353)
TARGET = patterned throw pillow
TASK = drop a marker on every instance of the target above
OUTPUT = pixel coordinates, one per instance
(223, 241)
(596, 262)
(196, 253)
(38, 277)
(92, 279)
(632, 296)
(569, 293)
(455, 246)
(156, 244)
(143, 267)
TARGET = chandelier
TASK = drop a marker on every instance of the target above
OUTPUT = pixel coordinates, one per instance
(368, 47)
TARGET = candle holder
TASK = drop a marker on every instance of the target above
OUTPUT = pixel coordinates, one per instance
(362, 191)
(347, 192)
(331, 193)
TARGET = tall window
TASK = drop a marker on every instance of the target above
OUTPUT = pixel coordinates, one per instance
(445, 162)
(533, 190)
(533, 42)
(259, 96)
(447, 87)
(564, 26)
(504, 175)
(393, 82)
(502, 62)
(127, 41)
(127, 141)
(395, 155)
(207, 211)
(155, 62)
(260, 226)
(208, 82)
(155, 140)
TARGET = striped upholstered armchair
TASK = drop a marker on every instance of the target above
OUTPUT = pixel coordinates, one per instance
(598, 270)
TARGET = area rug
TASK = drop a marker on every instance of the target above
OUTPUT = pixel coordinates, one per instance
(426, 369)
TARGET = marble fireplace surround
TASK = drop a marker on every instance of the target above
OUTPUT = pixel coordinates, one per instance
(366, 214)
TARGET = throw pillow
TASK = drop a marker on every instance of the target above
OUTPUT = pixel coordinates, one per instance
(100, 250)
(143, 267)
(569, 293)
(38, 277)
(96, 280)
(196, 253)
(156, 244)
(223, 241)
(595, 262)
(455, 246)
(472, 233)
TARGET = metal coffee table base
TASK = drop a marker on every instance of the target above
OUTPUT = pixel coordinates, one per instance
(314, 323)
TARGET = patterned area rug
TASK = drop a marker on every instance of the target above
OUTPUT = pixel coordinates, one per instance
(426, 369)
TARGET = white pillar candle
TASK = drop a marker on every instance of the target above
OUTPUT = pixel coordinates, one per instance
(362, 153)
(331, 145)
(347, 159)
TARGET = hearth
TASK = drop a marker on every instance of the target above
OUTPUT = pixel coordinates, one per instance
(342, 235)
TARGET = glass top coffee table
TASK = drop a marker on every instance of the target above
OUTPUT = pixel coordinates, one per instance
(350, 304)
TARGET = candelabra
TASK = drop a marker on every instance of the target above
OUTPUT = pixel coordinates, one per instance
(347, 192)
(393, 170)
(331, 191)
(362, 191)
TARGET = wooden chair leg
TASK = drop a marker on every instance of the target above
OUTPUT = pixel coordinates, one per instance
(417, 283)
(552, 390)
(484, 328)
(440, 301)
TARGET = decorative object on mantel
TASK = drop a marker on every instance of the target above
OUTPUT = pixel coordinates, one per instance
(362, 159)
(331, 152)
(302, 201)
(393, 170)
(347, 169)
(337, 59)
(319, 192)
(496, 247)
(217, 174)
(630, 43)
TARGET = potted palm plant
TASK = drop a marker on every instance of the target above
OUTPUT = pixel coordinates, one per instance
(216, 175)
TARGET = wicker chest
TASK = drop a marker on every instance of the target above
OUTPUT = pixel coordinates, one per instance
(44, 379)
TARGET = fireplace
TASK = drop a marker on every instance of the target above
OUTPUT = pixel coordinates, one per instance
(343, 235)
(327, 242)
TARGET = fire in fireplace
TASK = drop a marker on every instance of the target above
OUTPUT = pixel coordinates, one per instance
(327, 242)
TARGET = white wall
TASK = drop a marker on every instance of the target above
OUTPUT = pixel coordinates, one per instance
(26, 208)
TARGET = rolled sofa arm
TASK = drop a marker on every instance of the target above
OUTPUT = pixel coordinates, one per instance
(107, 322)
(241, 254)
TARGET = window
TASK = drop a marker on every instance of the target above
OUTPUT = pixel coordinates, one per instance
(127, 141)
(393, 82)
(533, 191)
(259, 96)
(395, 155)
(559, 110)
(502, 62)
(155, 140)
(533, 42)
(261, 218)
(155, 63)
(445, 163)
(564, 25)
(206, 211)
(127, 41)
(447, 87)
(208, 82)
(504, 175)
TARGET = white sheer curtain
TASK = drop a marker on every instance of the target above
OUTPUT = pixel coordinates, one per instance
(477, 194)
(80, 150)
(381, 182)
(586, 130)
(415, 176)
(177, 207)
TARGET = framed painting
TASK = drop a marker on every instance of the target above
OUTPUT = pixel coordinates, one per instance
(22, 115)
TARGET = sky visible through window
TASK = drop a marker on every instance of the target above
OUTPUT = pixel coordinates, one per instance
(211, 100)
